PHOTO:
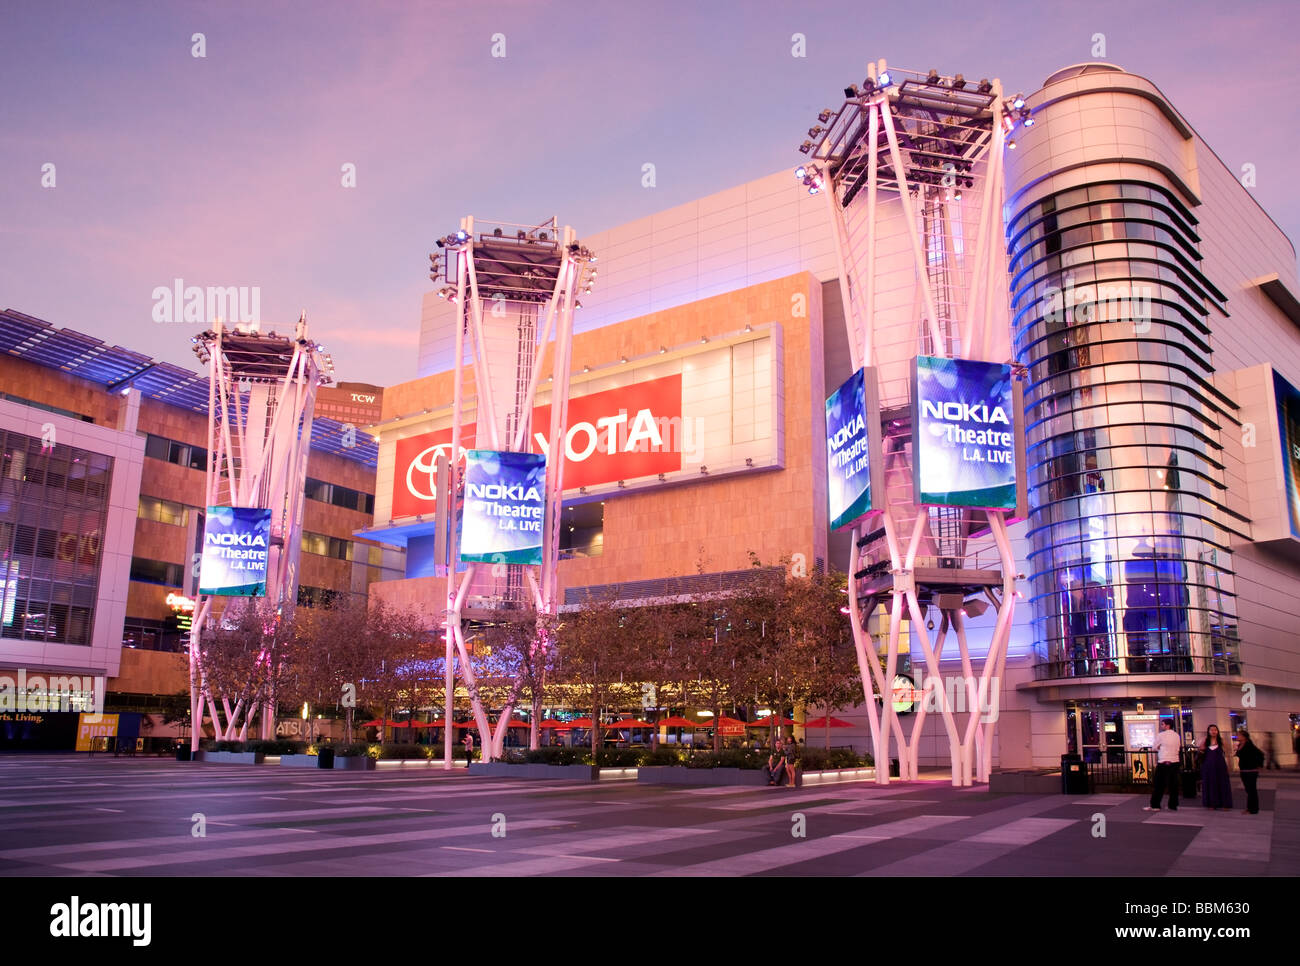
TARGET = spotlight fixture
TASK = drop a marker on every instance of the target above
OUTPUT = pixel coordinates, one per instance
(586, 368)
(542, 236)
(577, 304)
(462, 235)
(883, 79)
(623, 359)
(521, 234)
(959, 83)
(932, 77)
(748, 327)
(1011, 145)
(704, 470)
(813, 189)
(956, 196)
(805, 147)
(703, 339)
(497, 233)
(622, 484)
(1019, 102)
(851, 91)
(440, 243)
(663, 477)
(800, 171)
(985, 87)
(816, 130)
(1029, 121)
(825, 115)
(662, 350)
(749, 461)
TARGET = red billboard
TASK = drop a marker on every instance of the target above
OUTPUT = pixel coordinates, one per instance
(616, 434)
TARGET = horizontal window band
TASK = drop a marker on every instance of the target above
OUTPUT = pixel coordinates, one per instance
(1190, 272)
(1119, 183)
(1013, 239)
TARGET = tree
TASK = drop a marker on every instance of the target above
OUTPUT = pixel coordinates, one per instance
(521, 650)
(244, 659)
(594, 655)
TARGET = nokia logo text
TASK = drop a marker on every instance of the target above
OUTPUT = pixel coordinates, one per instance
(500, 491)
(959, 412)
(235, 539)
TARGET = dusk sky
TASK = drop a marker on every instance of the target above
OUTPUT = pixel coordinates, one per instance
(226, 169)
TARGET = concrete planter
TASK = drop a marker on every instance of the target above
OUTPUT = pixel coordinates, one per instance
(501, 769)
(299, 761)
(354, 763)
(678, 775)
(231, 757)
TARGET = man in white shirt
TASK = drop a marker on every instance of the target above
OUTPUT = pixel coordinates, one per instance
(1168, 750)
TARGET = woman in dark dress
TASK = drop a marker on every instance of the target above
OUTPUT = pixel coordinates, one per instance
(1216, 788)
(1249, 761)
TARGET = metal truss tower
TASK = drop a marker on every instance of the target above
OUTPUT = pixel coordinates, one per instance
(911, 170)
(516, 288)
(261, 395)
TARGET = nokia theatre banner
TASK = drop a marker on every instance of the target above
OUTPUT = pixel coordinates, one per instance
(505, 507)
(964, 434)
(853, 453)
(235, 542)
(1288, 428)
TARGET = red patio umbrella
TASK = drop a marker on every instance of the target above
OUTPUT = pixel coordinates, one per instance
(765, 722)
(380, 723)
(725, 725)
(555, 723)
(628, 723)
(677, 721)
(822, 723)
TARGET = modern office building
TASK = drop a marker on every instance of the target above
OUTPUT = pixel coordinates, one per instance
(102, 504)
(354, 403)
(1152, 304)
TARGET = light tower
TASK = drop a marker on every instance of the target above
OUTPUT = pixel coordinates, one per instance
(261, 395)
(911, 169)
(515, 288)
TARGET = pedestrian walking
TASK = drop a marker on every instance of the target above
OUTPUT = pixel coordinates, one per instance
(1216, 788)
(1168, 750)
(1249, 760)
(468, 742)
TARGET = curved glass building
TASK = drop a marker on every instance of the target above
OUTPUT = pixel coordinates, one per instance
(1134, 426)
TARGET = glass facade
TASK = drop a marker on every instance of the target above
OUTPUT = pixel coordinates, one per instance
(1129, 539)
(53, 505)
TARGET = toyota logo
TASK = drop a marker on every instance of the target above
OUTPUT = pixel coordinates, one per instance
(422, 470)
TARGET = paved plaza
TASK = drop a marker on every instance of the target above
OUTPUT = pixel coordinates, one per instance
(69, 816)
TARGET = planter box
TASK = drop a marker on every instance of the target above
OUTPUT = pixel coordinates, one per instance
(354, 762)
(231, 757)
(501, 769)
(679, 775)
(299, 761)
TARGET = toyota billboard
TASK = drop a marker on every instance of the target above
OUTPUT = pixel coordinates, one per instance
(616, 434)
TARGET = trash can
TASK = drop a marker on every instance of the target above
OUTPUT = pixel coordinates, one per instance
(893, 768)
(1074, 775)
(1188, 779)
(325, 758)
(183, 753)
